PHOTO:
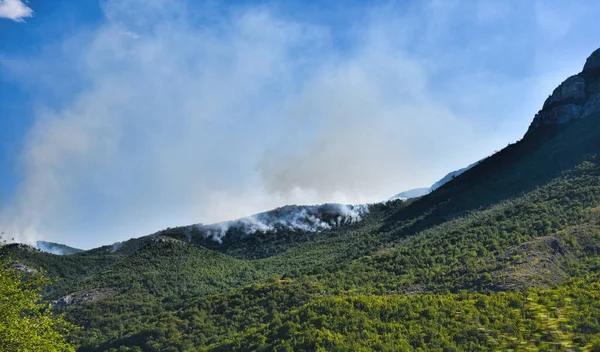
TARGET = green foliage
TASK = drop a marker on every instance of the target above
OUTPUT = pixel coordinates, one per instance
(173, 269)
(504, 257)
(547, 320)
(26, 322)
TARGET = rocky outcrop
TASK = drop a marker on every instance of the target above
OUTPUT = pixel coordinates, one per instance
(536, 263)
(23, 268)
(165, 239)
(593, 62)
(576, 98)
(570, 92)
(84, 297)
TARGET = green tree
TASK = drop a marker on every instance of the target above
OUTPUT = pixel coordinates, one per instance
(26, 323)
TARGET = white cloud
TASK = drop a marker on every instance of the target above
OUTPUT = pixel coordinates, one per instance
(15, 10)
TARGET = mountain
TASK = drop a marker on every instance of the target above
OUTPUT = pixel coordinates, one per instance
(419, 192)
(411, 193)
(450, 176)
(503, 256)
(309, 218)
(576, 98)
(281, 228)
(56, 248)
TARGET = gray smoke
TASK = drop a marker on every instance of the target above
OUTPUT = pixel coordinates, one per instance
(49, 248)
(311, 218)
(183, 115)
(116, 246)
(55, 248)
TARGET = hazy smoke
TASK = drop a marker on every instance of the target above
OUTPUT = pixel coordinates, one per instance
(311, 218)
(115, 246)
(55, 248)
(49, 248)
(184, 115)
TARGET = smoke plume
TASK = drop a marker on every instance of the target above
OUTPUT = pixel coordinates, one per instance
(185, 115)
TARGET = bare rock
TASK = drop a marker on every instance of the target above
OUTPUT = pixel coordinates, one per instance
(592, 105)
(557, 115)
(534, 264)
(576, 98)
(24, 268)
(571, 91)
(564, 105)
(87, 296)
(593, 62)
(165, 239)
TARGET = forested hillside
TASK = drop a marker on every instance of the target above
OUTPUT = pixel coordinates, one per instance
(504, 256)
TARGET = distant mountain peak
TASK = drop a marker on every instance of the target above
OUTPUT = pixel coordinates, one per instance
(419, 192)
(411, 193)
(575, 98)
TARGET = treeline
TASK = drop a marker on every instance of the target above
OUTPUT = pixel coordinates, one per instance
(504, 257)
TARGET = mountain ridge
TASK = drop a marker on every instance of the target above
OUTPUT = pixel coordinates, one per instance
(575, 98)
(503, 256)
(419, 192)
(56, 248)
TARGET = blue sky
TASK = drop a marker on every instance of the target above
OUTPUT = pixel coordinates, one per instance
(120, 118)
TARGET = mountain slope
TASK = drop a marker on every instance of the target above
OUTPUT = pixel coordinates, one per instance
(503, 256)
(411, 193)
(419, 192)
(535, 236)
(56, 248)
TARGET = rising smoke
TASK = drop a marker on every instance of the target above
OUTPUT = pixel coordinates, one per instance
(187, 115)
(309, 218)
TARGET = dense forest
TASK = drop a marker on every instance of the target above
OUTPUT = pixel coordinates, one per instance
(505, 256)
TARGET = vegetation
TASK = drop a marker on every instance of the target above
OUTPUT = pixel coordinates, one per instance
(504, 257)
(455, 322)
(26, 322)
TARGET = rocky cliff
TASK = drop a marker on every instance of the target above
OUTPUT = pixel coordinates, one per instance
(577, 97)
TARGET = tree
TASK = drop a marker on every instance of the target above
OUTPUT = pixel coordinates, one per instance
(26, 322)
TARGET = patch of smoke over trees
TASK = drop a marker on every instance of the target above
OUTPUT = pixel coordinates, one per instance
(115, 246)
(48, 248)
(310, 218)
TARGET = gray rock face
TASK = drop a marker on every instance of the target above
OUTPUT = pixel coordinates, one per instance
(593, 62)
(577, 97)
(22, 267)
(557, 115)
(164, 239)
(592, 104)
(571, 90)
(84, 297)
